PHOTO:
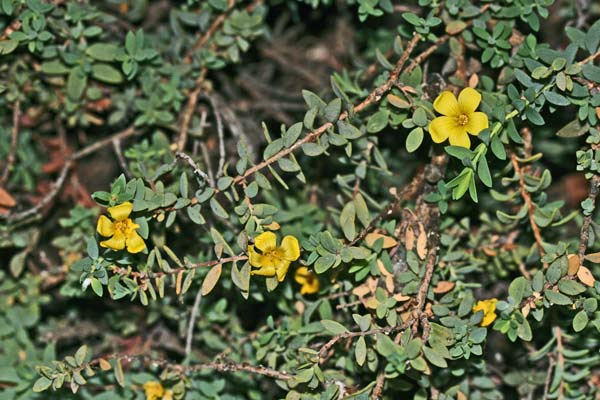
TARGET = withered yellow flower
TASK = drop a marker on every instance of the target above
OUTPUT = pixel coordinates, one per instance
(308, 280)
(459, 117)
(489, 310)
(153, 390)
(270, 259)
(122, 230)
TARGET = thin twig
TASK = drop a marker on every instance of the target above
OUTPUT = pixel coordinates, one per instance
(378, 389)
(201, 175)
(64, 173)
(192, 322)
(189, 111)
(117, 147)
(560, 359)
(584, 236)
(151, 275)
(220, 366)
(530, 206)
(10, 160)
(347, 335)
(206, 157)
(217, 113)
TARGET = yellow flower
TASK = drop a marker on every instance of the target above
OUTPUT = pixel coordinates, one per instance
(168, 395)
(270, 259)
(153, 390)
(308, 279)
(489, 310)
(122, 231)
(459, 117)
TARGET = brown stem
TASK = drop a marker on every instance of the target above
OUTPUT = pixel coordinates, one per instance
(530, 206)
(584, 236)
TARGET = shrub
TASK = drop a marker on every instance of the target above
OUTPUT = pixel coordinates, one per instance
(417, 220)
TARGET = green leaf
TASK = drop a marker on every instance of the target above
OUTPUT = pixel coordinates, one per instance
(106, 73)
(333, 327)
(8, 46)
(347, 220)
(76, 83)
(483, 171)
(218, 209)
(517, 289)
(292, 134)
(360, 351)
(102, 51)
(434, 357)
(378, 121)
(414, 139)
(580, 321)
(348, 131)
(332, 111)
(557, 298)
(592, 38)
(324, 263)
(41, 384)
(570, 287)
(362, 212)
(81, 354)
(118, 371)
(313, 149)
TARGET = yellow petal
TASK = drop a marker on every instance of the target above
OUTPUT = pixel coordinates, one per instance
(291, 248)
(266, 241)
(468, 100)
(459, 137)
(441, 127)
(282, 270)
(105, 227)
(117, 242)
(135, 243)
(253, 257)
(120, 212)
(264, 271)
(446, 104)
(310, 287)
(488, 319)
(301, 275)
(478, 121)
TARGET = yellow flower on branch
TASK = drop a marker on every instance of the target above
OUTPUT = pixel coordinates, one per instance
(122, 230)
(308, 280)
(153, 390)
(459, 117)
(488, 307)
(270, 259)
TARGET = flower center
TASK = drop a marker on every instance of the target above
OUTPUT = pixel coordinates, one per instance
(123, 226)
(462, 119)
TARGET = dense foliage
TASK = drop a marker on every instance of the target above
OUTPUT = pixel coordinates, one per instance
(300, 199)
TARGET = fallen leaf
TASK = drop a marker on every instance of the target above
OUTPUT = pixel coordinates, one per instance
(409, 239)
(574, 264)
(388, 241)
(422, 245)
(585, 276)
(443, 287)
(593, 257)
(401, 297)
(489, 252)
(6, 200)
(382, 269)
